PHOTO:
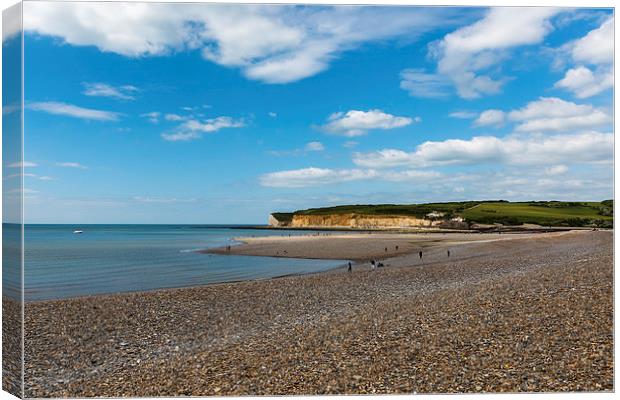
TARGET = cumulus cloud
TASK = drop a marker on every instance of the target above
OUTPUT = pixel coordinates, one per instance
(421, 84)
(273, 44)
(585, 83)
(194, 129)
(597, 47)
(98, 89)
(70, 110)
(358, 123)
(466, 53)
(324, 176)
(554, 114)
(588, 147)
(490, 118)
(596, 50)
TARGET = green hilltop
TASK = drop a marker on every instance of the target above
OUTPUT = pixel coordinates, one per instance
(546, 213)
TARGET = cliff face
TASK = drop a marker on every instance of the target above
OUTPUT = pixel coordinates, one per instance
(273, 221)
(358, 221)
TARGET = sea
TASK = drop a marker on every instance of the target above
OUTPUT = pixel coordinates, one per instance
(126, 258)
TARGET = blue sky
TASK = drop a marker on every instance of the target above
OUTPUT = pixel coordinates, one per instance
(185, 113)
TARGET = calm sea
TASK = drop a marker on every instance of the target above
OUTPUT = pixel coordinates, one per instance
(124, 258)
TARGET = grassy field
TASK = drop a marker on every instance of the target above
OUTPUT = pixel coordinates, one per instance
(542, 213)
(547, 213)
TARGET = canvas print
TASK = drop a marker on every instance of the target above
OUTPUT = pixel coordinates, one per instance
(254, 199)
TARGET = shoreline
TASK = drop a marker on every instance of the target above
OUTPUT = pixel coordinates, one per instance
(363, 247)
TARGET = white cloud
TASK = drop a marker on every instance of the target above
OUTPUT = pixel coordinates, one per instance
(463, 114)
(421, 84)
(71, 165)
(383, 158)
(350, 143)
(152, 116)
(553, 114)
(25, 164)
(70, 110)
(597, 118)
(98, 89)
(323, 176)
(308, 148)
(358, 123)
(595, 49)
(194, 129)
(464, 54)
(408, 175)
(174, 117)
(314, 146)
(213, 124)
(181, 136)
(24, 191)
(27, 175)
(312, 177)
(270, 43)
(491, 118)
(556, 170)
(272, 114)
(585, 83)
(11, 22)
(588, 147)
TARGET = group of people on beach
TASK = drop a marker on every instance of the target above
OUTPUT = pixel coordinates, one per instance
(376, 264)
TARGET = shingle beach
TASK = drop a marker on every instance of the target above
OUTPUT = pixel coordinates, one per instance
(530, 314)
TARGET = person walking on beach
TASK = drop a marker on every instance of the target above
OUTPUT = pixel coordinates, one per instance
(349, 266)
(448, 253)
(386, 249)
(420, 254)
(372, 264)
(396, 247)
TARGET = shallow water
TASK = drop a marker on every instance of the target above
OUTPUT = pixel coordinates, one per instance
(125, 258)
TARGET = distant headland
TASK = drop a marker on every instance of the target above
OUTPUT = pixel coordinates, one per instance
(451, 215)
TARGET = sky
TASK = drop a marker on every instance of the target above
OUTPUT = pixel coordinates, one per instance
(197, 113)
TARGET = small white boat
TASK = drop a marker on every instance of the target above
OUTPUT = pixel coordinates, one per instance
(78, 231)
